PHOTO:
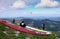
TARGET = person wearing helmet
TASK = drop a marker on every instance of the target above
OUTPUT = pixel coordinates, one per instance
(22, 24)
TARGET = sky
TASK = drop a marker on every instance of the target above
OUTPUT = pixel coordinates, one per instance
(29, 8)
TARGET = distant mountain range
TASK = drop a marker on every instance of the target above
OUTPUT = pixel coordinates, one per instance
(51, 24)
(54, 18)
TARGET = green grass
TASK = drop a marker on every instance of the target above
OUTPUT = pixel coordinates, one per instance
(22, 35)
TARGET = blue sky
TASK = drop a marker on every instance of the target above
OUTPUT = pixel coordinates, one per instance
(29, 8)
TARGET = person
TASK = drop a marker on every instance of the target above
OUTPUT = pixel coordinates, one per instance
(22, 24)
(43, 26)
(13, 20)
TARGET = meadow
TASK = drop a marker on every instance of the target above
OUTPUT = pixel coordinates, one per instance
(8, 33)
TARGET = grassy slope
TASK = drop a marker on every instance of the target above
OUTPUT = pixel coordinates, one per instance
(22, 35)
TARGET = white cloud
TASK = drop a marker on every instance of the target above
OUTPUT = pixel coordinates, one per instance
(30, 1)
(5, 4)
(2, 8)
(48, 4)
(19, 4)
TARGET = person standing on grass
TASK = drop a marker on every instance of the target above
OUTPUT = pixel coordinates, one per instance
(13, 20)
(22, 24)
(43, 26)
